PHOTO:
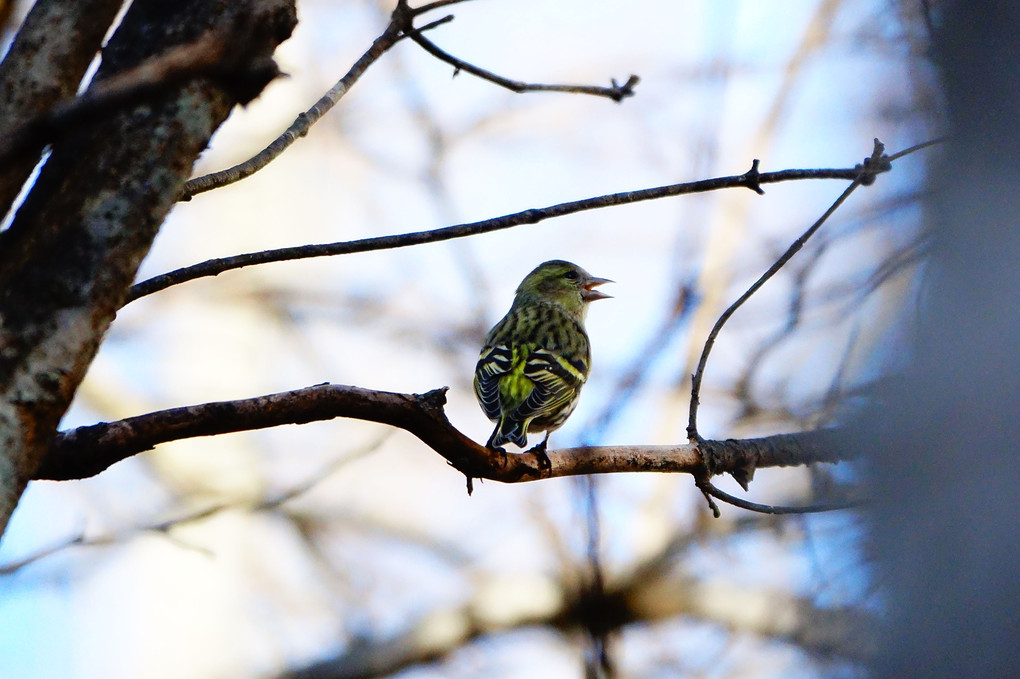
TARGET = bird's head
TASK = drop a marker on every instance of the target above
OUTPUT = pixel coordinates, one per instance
(562, 282)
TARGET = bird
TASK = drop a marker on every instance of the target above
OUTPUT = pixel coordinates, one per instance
(536, 359)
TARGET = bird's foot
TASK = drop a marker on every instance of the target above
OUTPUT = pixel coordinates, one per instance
(544, 463)
(499, 450)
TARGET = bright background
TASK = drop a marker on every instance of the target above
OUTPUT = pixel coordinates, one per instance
(193, 567)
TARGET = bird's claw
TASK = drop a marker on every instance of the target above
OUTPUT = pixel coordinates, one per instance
(544, 463)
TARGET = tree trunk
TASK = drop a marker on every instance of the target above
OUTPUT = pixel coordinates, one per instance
(77, 241)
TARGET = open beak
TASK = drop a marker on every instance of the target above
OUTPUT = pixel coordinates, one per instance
(589, 295)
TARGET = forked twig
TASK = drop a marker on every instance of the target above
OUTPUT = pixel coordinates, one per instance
(618, 92)
(875, 164)
(878, 162)
(710, 491)
(401, 26)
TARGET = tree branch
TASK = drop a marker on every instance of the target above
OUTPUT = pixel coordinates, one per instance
(878, 162)
(87, 451)
(74, 247)
(401, 26)
(751, 179)
(404, 15)
(301, 124)
(711, 491)
(618, 92)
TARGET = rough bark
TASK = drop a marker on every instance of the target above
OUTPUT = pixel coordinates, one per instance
(70, 255)
(44, 66)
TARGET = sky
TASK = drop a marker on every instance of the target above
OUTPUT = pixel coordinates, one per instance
(241, 593)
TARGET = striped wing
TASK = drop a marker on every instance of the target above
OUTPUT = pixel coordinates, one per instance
(556, 382)
(493, 364)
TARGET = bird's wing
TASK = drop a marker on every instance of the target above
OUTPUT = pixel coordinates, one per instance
(493, 363)
(556, 381)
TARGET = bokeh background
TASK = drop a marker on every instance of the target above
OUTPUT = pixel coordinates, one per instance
(355, 547)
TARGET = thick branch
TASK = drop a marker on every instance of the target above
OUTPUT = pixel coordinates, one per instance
(87, 451)
(75, 245)
(213, 267)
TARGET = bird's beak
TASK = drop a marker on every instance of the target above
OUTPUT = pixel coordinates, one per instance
(589, 295)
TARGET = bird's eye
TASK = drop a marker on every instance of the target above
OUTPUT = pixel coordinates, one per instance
(571, 275)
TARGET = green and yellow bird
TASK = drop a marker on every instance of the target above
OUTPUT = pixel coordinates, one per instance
(535, 361)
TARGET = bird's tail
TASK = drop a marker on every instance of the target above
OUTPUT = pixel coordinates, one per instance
(508, 431)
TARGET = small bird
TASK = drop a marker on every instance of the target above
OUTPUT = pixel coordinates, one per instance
(535, 361)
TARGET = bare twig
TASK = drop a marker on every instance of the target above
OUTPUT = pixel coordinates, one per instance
(403, 15)
(710, 490)
(618, 92)
(849, 294)
(165, 526)
(751, 179)
(917, 147)
(876, 163)
(401, 26)
(87, 451)
(301, 125)
(15, 566)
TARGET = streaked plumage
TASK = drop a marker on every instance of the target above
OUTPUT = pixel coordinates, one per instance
(536, 359)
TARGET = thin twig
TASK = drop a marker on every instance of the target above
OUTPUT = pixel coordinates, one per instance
(401, 26)
(711, 491)
(878, 162)
(164, 527)
(15, 566)
(866, 173)
(213, 267)
(301, 124)
(917, 147)
(618, 92)
(795, 308)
